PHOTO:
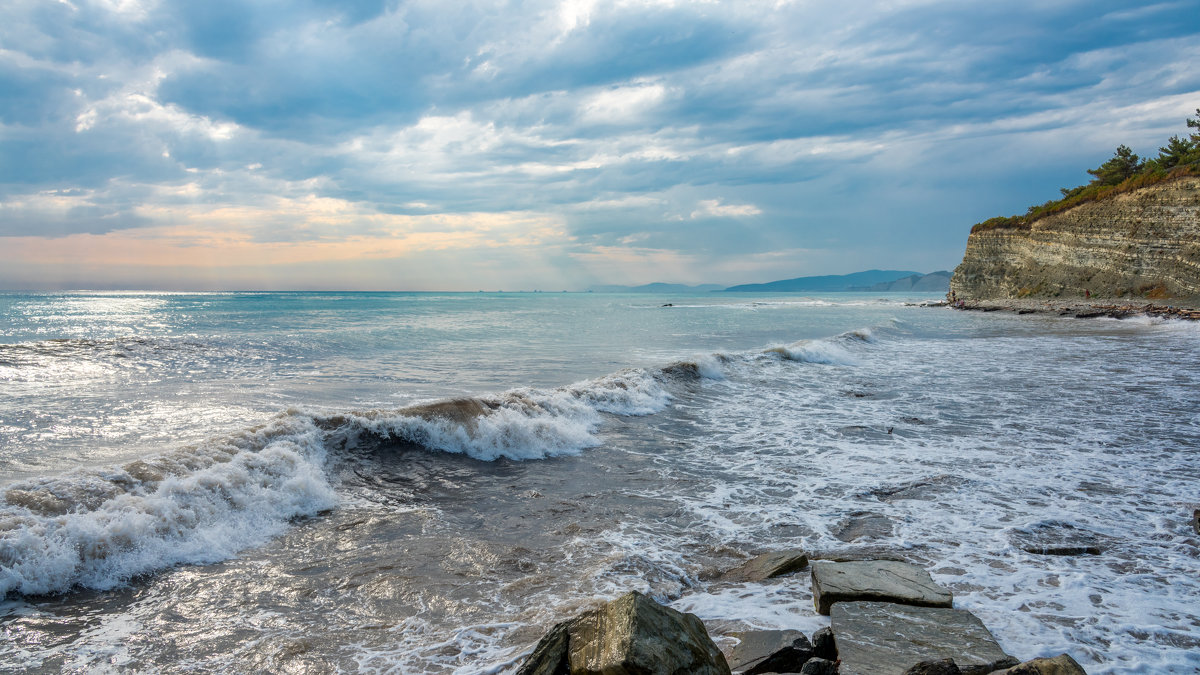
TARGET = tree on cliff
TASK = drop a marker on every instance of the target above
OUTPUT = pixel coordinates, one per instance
(1123, 164)
(1178, 150)
(1124, 172)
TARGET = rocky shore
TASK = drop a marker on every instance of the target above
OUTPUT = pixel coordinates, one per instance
(1084, 308)
(886, 618)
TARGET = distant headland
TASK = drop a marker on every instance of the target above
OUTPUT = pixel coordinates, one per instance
(875, 281)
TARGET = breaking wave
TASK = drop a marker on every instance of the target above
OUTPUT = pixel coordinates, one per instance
(199, 505)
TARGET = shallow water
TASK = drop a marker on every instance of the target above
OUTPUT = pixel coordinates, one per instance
(242, 482)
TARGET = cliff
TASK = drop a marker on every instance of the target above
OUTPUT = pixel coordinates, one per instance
(1143, 243)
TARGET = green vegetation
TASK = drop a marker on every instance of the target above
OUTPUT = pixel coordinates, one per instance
(1124, 172)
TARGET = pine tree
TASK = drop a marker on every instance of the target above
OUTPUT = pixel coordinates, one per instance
(1175, 152)
(1122, 165)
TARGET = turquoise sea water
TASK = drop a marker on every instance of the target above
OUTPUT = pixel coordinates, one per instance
(248, 481)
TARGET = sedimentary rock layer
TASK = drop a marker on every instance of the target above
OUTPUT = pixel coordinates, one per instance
(1144, 243)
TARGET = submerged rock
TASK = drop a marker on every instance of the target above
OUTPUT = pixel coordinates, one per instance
(768, 566)
(864, 524)
(883, 580)
(632, 635)
(924, 489)
(883, 638)
(1056, 537)
(1062, 664)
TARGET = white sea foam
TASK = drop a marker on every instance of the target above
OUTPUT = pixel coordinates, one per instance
(1025, 429)
(100, 529)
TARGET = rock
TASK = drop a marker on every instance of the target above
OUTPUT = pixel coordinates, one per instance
(789, 659)
(882, 638)
(819, 666)
(1196, 521)
(1056, 537)
(768, 566)
(939, 667)
(824, 646)
(925, 489)
(912, 554)
(884, 580)
(863, 524)
(757, 645)
(550, 655)
(632, 635)
(1062, 664)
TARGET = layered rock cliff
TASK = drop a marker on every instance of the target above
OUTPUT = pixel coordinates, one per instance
(1144, 243)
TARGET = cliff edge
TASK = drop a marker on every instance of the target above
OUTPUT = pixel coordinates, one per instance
(1144, 243)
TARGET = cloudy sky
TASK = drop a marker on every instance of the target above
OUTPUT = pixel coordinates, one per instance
(459, 145)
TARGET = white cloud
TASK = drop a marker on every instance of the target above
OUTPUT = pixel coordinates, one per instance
(623, 104)
(713, 208)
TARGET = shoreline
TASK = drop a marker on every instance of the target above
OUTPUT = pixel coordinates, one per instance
(1081, 308)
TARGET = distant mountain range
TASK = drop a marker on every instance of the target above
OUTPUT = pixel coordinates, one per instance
(872, 280)
(877, 281)
(934, 282)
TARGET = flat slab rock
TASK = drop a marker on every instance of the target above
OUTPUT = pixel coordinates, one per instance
(767, 566)
(875, 580)
(883, 638)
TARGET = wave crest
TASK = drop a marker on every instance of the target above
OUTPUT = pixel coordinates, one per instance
(100, 529)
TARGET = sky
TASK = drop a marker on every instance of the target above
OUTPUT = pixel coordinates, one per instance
(465, 145)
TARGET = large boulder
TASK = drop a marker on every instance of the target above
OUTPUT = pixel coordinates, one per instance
(1062, 664)
(883, 638)
(767, 566)
(632, 635)
(550, 656)
(881, 580)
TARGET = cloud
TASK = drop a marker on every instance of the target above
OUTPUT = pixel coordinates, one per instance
(714, 208)
(679, 136)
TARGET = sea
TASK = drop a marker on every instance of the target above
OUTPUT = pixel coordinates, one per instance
(424, 483)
